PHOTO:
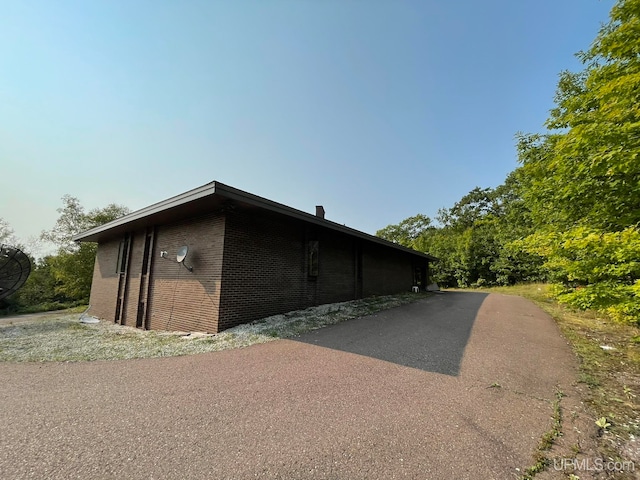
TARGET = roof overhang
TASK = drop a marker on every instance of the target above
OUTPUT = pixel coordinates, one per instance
(211, 197)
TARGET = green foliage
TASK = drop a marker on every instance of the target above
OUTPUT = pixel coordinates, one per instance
(584, 255)
(72, 267)
(407, 232)
(473, 239)
(73, 272)
(73, 220)
(39, 289)
(454, 256)
(589, 172)
(582, 180)
(465, 241)
(516, 265)
(64, 279)
(40, 286)
(621, 302)
(593, 269)
(603, 423)
(475, 205)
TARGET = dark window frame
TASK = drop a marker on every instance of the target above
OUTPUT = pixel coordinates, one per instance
(121, 265)
(313, 258)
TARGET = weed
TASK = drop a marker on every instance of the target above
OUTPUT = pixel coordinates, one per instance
(588, 379)
(602, 423)
(629, 393)
(541, 461)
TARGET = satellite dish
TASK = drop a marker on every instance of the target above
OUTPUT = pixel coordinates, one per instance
(182, 254)
(15, 268)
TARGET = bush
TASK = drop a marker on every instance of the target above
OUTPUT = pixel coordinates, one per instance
(620, 302)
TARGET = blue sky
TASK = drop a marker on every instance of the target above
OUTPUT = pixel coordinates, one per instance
(378, 110)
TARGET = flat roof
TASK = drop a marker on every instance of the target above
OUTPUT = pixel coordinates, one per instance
(207, 198)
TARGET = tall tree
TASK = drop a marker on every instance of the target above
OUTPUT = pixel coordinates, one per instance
(586, 171)
(473, 240)
(407, 231)
(72, 267)
(475, 205)
(582, 179)
(6, 233)
(73, 220)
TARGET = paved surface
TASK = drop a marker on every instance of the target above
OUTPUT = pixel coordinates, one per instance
(330, 405)
(431, 339)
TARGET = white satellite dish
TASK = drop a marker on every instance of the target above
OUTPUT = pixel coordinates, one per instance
(181, 255)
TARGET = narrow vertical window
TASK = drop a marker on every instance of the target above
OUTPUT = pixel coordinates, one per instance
(147, 254)
(313, 258)
(121, 266)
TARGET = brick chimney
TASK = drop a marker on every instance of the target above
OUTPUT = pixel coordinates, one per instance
(319, 211)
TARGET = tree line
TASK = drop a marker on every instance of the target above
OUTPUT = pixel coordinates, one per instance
(569, 214)
(62, 279)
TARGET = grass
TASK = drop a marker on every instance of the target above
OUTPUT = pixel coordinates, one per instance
(42, 307)
(542, 461)
(61, 337)
(612, 373)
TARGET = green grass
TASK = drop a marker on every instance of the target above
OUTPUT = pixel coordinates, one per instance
(44, 307)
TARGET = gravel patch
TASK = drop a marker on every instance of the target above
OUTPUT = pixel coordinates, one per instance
(63, 338)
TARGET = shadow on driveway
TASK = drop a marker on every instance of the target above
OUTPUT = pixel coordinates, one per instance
(430, 334)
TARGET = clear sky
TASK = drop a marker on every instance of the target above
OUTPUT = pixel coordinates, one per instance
(378, 110)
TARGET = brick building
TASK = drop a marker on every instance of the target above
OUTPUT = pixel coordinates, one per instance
(248, 258)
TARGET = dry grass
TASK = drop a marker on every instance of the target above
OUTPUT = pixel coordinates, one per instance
(61, 337)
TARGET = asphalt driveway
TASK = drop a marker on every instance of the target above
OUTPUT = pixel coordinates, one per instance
(459, 385)
(431, 339)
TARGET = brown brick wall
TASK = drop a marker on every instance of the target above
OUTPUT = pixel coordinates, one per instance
(265, 269)
(385, 271)
(247, 264)
(336, 268)
(104, 289)
(183, 300)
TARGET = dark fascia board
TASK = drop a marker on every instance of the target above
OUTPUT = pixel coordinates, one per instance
(227, 192)
(139, 215)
